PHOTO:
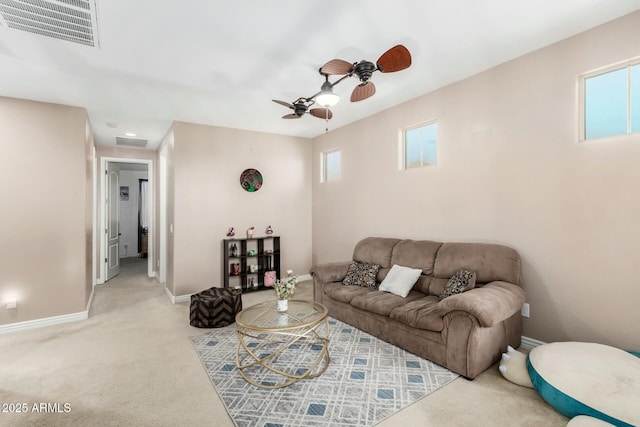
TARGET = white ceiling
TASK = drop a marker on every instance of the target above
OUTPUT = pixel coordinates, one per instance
(222, 62)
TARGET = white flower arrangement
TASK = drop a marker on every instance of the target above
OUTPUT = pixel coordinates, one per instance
(286, 287)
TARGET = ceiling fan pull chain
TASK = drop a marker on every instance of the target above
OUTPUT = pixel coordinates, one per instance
(326, 120)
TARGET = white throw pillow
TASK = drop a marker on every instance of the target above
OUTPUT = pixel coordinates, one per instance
(400, 280)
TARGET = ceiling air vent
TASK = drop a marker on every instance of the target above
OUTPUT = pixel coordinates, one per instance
(71, 20)
(131, 142)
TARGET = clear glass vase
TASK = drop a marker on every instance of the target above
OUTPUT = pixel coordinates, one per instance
(282, 305)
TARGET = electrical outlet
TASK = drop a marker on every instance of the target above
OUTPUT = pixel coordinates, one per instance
(525, 310)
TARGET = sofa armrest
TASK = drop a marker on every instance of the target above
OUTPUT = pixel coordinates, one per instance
(331, 272)
(490, 304)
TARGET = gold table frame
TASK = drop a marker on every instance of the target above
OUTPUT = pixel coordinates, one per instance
(304, 323)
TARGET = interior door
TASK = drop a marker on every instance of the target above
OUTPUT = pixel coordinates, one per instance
(113, 221)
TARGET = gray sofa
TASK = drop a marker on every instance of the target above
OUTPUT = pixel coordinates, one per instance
(465, 333)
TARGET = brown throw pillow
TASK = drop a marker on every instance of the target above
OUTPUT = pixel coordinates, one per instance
(361, 274)
(462, 281)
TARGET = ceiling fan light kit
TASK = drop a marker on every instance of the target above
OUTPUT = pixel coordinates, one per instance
(395, 59)
(327, 97)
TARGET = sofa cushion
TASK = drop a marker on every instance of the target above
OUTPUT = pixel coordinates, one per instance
(490, 262)
(462, 281)
(416, 254)
(361, 274)
(375, 250)
(339, 292)
(422, 313)
(400, 280)
(382, 303)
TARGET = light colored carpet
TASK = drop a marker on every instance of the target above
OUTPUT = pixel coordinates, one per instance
(132, 364)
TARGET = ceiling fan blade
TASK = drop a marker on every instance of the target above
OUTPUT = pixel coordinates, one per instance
(291, 116)
(363, 91)
(286, 104)
(321, 113)
(337, 66)
(395, 59)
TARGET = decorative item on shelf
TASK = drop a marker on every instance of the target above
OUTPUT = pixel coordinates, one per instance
(269, 230)
(235, 269)
(269, 278)
(253, 268)
(252, 252)
(251, 180)
(254, 283)
(231, 232)
(268, 251)
(250, 232)
(284, 289)
(234, 250)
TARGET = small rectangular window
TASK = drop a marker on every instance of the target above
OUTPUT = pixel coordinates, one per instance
(420, 146)
(611, 101)
(331, 166)
(635, 98)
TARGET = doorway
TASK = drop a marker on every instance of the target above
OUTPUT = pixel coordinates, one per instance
(119, 214)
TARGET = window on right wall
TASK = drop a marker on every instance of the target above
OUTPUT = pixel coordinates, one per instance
(610, 101)
(330, 166)
(420, 145)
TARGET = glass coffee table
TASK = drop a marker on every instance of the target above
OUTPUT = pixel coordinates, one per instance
(277, 349)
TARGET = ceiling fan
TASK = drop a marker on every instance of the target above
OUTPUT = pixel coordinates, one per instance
(301, 106)
(395, 59)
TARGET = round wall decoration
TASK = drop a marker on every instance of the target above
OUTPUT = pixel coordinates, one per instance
(251, 180)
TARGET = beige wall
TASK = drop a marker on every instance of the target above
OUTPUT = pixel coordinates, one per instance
(207, 163)
(510, 170)
(46, 209)
(125, 152)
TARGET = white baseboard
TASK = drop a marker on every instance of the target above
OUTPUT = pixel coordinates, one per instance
(530, 343)
(187, 297)
(304, 277)
(93, 289)
(41, 323)
(177, 300)
(183, 298)
(172, 299)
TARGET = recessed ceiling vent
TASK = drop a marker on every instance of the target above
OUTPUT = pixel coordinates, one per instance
(71, 20)
(131, 142)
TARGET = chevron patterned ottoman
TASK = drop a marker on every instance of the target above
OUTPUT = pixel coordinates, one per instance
(215, 307)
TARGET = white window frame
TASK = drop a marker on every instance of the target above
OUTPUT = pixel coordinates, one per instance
(323, 166)
(582, 78)
(402, 146)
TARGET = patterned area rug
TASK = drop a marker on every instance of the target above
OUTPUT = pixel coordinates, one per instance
(367, 381)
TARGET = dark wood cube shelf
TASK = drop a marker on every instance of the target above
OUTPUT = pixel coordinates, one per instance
(265, 257)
